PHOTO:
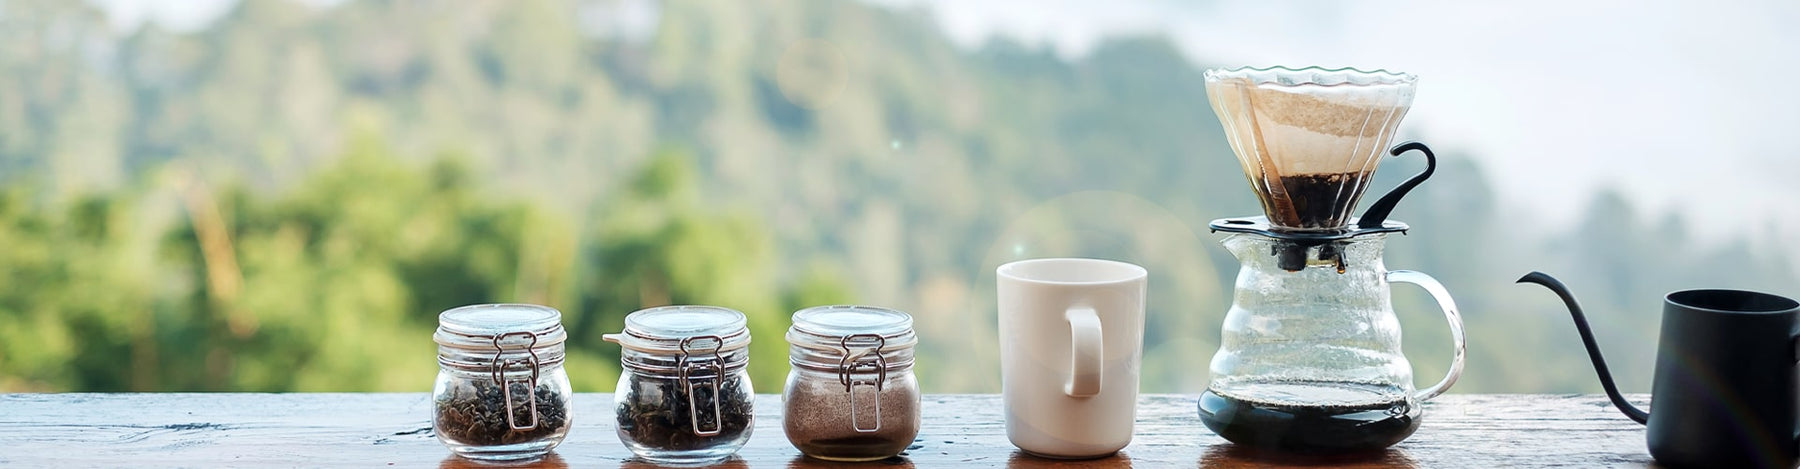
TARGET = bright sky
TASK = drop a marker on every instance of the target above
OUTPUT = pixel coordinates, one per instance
(181, 15)
(1678, 103)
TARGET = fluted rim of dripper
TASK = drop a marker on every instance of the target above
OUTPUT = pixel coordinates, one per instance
(1281, 75)
(1348, 103)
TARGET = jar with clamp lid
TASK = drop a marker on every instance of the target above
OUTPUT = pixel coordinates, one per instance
(851, 394)
(501, 391)
(684, 396)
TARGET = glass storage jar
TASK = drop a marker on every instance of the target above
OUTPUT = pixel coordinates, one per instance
(851, 394)
(684, 397)
(501, 391)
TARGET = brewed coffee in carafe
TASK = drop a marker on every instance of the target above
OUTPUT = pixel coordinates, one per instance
(1309, 358)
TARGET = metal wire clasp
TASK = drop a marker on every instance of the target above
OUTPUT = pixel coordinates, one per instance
(851, 362)
(499, 370)
(687, 368)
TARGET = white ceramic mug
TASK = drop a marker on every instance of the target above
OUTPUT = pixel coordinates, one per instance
(1071, 339)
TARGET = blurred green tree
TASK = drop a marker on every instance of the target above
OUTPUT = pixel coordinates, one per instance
(660, 245)
(260, 204)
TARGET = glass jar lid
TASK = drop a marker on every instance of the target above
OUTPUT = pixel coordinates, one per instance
(829, 327)
(503, 326)
(667, 329)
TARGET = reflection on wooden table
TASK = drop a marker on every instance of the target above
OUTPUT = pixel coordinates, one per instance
(382, 430)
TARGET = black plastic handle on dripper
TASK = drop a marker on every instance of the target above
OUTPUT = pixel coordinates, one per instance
(1378, 212)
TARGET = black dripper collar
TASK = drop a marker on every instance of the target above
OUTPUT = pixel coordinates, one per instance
(1259, 225)
(1291, 250)
(1295, 244)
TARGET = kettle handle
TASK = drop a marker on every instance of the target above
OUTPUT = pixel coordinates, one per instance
(1444, 302)
(1587, 338)
(1378, 211)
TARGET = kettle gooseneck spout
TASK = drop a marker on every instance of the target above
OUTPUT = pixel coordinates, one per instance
(1587, 338)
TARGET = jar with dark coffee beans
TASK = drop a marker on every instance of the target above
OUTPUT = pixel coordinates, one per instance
(501, 391)
(851, 394)
(684, 397)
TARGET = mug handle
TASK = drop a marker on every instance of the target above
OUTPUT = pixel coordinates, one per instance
(1444, 302)
(1085, 352)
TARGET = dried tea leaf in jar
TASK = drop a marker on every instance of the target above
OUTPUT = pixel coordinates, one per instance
(471, 412)
(684, 397)
(660, 416)
(501, 392)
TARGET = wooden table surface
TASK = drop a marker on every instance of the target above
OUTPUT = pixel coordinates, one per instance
(381, 430)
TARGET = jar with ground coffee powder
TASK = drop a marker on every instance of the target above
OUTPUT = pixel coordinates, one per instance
(851, 394)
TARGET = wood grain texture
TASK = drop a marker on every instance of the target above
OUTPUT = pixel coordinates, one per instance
(380, 430)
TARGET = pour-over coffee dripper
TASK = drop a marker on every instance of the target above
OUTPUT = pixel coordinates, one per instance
(1309, 356)
(1309, 139)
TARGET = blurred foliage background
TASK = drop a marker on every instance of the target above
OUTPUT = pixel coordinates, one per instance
(286, 198)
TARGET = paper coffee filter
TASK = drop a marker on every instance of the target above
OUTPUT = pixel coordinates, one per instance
(1308, 129)
(1320, 110)
(1309, 138)
(1299, 150)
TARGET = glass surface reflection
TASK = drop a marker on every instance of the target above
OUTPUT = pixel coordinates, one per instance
(801, 461)
(734, 462)
(1230, 455)
(551, 461)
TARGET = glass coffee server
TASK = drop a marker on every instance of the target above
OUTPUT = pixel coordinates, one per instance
(1309, 359)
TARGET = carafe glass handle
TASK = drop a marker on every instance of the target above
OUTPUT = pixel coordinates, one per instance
(1444, 302)
(1086, 352)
